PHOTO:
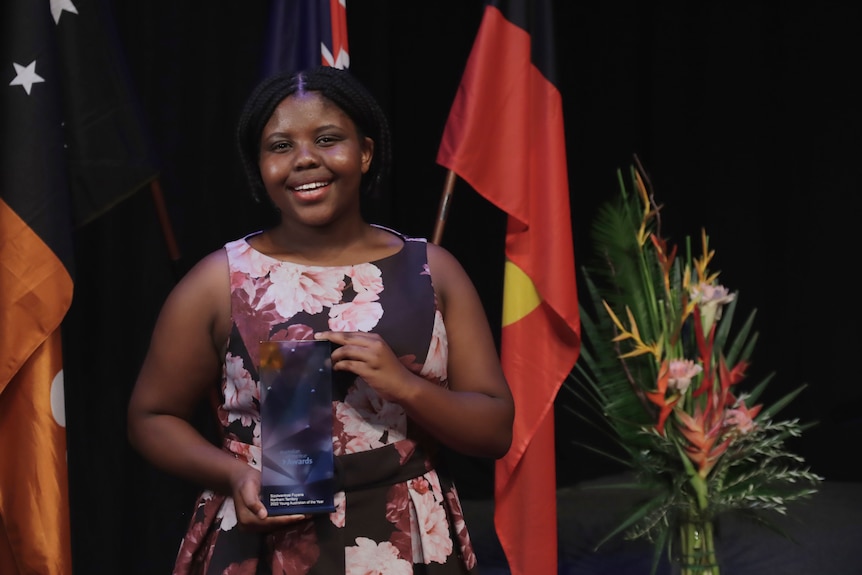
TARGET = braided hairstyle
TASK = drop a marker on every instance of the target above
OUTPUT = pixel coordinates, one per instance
(339, 87)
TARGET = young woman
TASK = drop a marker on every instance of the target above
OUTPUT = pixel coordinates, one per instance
(413, 356)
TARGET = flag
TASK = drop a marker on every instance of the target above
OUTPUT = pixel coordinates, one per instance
(35, 293)
(504, 136)
(305, 33)
(61, 141)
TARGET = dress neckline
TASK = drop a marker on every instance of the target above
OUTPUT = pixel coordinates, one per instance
(404, 239)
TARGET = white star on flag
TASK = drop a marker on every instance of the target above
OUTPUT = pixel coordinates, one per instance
(26, 76)
(57, 7)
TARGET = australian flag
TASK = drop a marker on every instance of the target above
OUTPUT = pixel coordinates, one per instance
(304, 34)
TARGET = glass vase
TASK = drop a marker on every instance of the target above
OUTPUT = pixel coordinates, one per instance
(695, 548)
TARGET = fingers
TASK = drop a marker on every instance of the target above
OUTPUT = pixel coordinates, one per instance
(361, 353)
(251, 501)
(250, 522)
(252, 515)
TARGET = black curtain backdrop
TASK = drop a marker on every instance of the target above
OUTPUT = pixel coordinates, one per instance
(747, 119)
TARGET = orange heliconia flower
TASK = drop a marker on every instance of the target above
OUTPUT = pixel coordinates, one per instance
(703, 433)
(659, 397)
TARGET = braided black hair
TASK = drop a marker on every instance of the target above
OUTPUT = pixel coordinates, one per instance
(339, 87)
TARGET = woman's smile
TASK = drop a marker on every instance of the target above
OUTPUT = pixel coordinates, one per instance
(312, 191)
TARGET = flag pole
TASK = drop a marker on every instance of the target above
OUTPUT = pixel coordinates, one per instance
(443, 210)
(165, 221)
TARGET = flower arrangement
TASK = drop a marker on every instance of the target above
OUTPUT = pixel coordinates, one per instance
(660, 371)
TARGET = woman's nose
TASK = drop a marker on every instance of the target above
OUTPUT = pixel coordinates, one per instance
(306, 155)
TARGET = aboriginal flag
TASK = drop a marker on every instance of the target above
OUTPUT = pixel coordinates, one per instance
(508, 100)
(305, 33)
(70, 150)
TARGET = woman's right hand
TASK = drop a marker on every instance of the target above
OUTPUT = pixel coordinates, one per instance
(251, 515)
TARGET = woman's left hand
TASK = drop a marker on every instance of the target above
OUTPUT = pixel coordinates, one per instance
(371, 358)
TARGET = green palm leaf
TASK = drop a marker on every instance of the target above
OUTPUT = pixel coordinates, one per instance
(624, 379)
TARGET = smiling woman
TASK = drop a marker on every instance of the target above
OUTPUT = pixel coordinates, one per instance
(414, 362)
(311, 161)
(737, 114)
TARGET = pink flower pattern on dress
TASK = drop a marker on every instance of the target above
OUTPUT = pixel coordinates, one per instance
(302, 542)
(241, 393)
(307, 289)
(337, 516)
(370, 558)
(461, 528)
(272, 299)
(366, 278)
(227, 515)
(435, 363)
(434, 542)
(367, 420)
(361, 314)
(248, 262)
(353, 435)
(420, 485)
(247, 567)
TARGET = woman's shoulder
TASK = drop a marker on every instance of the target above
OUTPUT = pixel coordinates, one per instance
(210, 270)
(202, 294)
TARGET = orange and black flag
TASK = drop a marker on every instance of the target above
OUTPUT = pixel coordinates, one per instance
(504, 137)
(66, 156)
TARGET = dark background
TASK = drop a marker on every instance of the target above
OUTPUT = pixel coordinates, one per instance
(747, 119)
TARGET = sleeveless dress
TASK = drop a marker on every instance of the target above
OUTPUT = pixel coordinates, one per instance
(397, 512)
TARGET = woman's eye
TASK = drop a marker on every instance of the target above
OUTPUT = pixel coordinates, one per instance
(326, 140)
(280, 146)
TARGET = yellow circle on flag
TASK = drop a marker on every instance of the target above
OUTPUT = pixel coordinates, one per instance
(519, 294)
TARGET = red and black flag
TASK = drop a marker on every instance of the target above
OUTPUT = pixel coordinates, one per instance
(306, 33)
(70, 150)
(504, 136)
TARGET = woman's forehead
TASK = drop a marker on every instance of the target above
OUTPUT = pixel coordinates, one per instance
(305, 107)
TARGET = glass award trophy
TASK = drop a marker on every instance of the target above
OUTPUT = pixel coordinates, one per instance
(297, 473)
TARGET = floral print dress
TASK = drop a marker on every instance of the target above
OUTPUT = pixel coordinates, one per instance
(397, 512)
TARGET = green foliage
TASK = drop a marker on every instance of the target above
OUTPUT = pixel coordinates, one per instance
(735, 457)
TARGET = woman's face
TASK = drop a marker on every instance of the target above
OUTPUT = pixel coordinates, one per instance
(312, 159)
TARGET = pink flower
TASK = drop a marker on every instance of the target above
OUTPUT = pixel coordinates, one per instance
(227, 515)
(433, 528)
(361, 314)
(711, 299)
(370, 558)
(399, 514)
(304, 289)
(366, 419)
(741, 419)
(420, 485)
(240, 392)
(248, 260)
(435, 362)
(355, 435)
(366, 277)
(681, 371)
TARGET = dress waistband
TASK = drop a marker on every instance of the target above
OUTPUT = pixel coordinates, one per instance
(379, 467)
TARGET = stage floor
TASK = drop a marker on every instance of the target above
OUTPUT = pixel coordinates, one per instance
(825, 535)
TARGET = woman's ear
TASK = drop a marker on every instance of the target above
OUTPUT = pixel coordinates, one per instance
(367, 154)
